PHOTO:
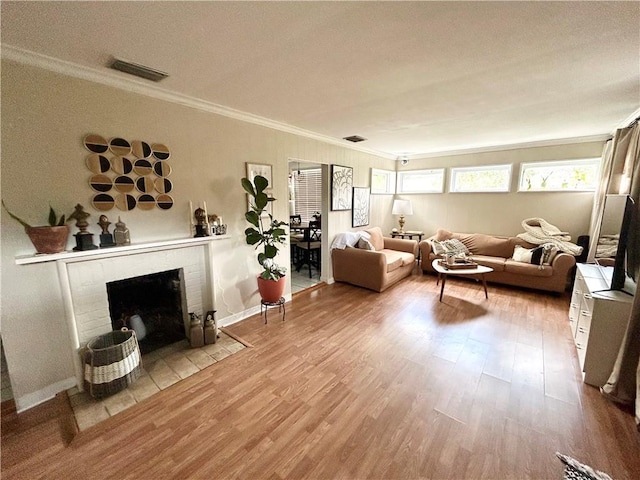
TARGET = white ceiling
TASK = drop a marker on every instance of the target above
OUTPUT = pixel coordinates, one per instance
(412, 77)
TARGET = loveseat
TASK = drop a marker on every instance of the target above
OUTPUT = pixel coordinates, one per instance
(376, 262)
(498, 252)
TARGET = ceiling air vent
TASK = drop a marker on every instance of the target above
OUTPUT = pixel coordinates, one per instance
(355, 138)
(138, 70)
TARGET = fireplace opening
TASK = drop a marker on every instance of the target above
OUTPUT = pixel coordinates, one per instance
(153, 305)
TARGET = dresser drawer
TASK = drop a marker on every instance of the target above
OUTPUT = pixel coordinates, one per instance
(587, 302)
(584, 320)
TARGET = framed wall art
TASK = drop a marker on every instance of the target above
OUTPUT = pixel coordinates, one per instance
(341, 187)
(264, 170)
(360, 206)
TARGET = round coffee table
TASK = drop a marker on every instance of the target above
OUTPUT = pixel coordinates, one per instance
(443, 271)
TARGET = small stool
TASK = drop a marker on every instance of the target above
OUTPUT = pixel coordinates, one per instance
(279, 304)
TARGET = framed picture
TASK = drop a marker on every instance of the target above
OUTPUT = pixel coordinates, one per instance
(361, 196)
(341, 187)
(264, 170)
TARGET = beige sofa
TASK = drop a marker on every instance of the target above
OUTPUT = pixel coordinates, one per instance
(496, 252)
(391, 260)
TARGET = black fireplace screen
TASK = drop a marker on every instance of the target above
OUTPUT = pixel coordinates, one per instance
(154, 306)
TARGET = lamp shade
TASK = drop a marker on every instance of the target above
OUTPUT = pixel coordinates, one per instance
(402, 207)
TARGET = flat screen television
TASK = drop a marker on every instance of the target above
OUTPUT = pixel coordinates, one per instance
(623, 278)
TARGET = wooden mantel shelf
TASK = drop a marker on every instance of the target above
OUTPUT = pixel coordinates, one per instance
(71, 256)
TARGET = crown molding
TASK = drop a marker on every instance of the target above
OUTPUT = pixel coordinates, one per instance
(513, 146)
(132, 85)
(627, 121)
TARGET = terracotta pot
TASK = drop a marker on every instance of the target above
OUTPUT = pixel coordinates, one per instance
(48, 239)
(271, 290)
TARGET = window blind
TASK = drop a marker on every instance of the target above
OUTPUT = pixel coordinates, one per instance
(308, 193)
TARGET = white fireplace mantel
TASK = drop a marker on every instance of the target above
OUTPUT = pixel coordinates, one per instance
(72, 256)
(82, 276)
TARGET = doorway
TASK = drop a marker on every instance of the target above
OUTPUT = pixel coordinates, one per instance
(306, 204)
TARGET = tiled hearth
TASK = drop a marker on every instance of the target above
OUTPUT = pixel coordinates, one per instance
(161, 369)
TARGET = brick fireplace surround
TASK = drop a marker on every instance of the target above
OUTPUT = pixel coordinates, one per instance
(83, 277)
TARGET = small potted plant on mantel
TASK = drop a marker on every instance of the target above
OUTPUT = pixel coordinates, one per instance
(271, 281)
(50, 238)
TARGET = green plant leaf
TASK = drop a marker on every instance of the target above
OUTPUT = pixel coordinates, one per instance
(253, 238)
(248, 187)
(252, 218)
(19, 220)
(270, 251)
(62, 221)
(261, 258)
(52, 217)
(261, 201)
(261, 183)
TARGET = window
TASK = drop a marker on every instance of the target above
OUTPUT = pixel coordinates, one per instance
(559, 176)
(487, 178)
(383, 181)
(421, 181)
(307, 188)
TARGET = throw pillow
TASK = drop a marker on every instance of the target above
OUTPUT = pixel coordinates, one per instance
(365, 244)
(436, 247)
(542, 255)
(455, 247)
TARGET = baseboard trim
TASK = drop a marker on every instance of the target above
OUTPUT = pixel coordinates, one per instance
(30, 400)
(238, 317)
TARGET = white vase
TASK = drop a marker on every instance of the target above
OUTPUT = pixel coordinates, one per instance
(137, 325)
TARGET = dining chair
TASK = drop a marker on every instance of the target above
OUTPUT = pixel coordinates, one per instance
(308, 250)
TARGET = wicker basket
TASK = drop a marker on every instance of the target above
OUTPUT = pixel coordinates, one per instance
(111, 363)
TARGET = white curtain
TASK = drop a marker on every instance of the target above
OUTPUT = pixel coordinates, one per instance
(623, 385)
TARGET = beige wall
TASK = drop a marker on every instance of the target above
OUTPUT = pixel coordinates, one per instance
(44, 118)
(502, 213)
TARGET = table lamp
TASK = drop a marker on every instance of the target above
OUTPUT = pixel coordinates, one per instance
(402, 208)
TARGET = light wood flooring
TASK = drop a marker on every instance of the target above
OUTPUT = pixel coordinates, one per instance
(357, 384)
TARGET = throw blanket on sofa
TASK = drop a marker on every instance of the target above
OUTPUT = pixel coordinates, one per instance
(539, 231)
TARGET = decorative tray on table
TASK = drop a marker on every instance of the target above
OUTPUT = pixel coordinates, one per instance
(459, 264)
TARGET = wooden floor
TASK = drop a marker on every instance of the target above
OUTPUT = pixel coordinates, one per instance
(357, 384)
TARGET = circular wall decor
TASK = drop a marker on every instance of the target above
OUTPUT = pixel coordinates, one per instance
(119, 146)
(125, 202)
(121, 165)
(144, 184)
(146, 202)
(163, 185)
(141, 149)
(165, 202)
(102, 202)
(160, 151)
(95, 143)
(162, 168)
(123, 184)
(98, 163)
(142, 167)
(100, 183)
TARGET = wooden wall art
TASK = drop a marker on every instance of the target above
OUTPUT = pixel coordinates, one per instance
(128, 174)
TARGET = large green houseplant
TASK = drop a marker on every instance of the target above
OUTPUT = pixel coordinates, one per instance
(50, 238)
(267, 235)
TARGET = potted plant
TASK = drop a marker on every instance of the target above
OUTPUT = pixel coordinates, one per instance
(271, 281)
(46, 239)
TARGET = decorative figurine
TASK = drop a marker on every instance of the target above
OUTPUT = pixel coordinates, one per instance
(201, 222)
(106, 239)
(84, 239)
(121, 233)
